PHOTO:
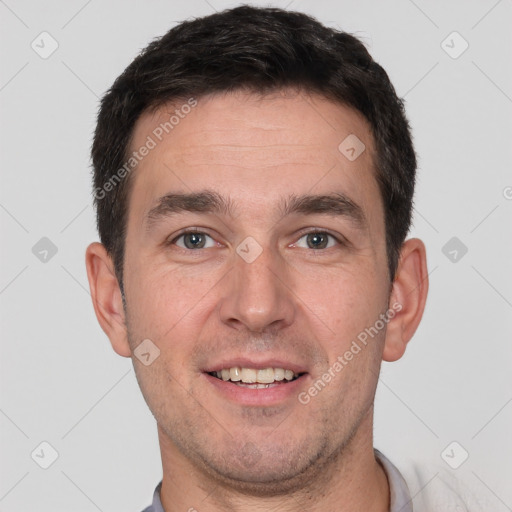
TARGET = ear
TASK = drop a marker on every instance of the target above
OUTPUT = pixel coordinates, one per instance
(106, 297)
(408, 298)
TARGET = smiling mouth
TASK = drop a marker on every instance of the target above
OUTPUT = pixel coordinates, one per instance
(256, 378)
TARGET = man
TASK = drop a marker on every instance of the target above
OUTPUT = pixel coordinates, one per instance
(254, 175)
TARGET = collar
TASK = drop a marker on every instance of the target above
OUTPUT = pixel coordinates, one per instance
(400, 497)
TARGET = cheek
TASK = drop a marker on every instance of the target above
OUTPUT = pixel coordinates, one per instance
(162, 299)
(345, 302)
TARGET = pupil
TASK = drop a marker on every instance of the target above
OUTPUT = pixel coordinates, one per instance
(193, 238)
(316, 237)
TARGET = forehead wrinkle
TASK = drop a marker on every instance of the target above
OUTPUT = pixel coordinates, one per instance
(263, 156)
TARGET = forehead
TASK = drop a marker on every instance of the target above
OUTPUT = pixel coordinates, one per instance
(240, 142)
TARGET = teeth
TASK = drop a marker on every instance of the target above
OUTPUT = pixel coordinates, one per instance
(252, 376)
(265, 376)
(234, 374)
(278, 374)
(253, 386)
(248, 375)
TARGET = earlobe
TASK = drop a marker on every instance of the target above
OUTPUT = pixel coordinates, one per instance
(409, 293)
(106, 297)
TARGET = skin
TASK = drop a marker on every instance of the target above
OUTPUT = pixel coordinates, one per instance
(294, 302)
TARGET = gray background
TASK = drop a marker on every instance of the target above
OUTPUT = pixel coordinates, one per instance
(60, 380)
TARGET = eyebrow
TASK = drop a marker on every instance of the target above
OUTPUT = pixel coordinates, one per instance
(211, 202)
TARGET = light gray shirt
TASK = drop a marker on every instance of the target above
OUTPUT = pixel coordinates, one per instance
(400, 497)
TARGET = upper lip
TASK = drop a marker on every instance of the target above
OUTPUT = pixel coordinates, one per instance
(243, 362)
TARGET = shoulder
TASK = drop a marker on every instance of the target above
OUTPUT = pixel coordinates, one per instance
(156, 506)
(435, 488)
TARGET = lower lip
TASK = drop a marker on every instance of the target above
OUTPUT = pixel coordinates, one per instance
(253, 396)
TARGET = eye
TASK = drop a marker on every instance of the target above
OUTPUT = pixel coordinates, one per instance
(319, 240)
(193, 240)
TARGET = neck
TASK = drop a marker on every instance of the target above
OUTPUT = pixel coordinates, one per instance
(350, 481)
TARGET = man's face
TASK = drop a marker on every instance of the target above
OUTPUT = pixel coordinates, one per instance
(258, 286)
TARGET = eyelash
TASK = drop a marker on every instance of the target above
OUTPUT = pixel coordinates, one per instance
(339, 240)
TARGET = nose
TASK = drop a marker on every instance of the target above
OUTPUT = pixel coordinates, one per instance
(258, 294)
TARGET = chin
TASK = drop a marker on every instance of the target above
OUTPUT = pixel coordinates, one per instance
(269, 471)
